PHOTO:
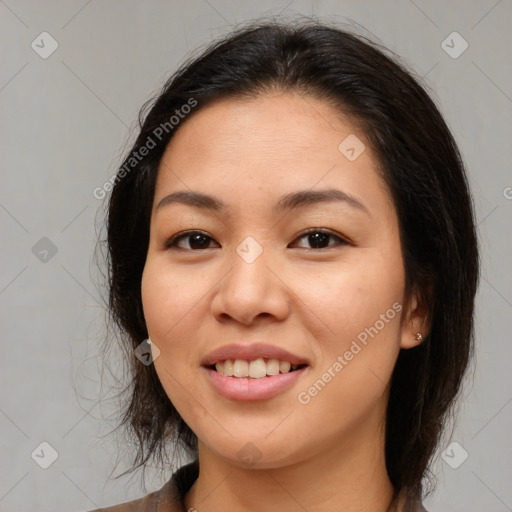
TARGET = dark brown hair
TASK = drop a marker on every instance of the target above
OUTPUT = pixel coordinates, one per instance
(422, 167)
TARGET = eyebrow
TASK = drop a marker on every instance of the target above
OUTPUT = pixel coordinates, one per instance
(292, 201)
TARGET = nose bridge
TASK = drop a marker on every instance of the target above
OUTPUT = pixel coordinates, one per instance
(250, 288)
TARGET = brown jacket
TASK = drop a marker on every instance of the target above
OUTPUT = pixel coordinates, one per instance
(170, 497)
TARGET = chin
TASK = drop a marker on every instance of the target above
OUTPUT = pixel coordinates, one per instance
(251, 450)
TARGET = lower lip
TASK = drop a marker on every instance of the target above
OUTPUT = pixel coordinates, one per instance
(248, 389)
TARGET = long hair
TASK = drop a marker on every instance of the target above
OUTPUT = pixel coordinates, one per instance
(420, 163)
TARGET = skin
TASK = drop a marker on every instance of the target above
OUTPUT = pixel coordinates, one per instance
(327, 454)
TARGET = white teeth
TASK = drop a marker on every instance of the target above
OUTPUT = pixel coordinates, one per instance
(240, 368)
(256, 369)
(273, 367)
(284, 366)
(228, 368)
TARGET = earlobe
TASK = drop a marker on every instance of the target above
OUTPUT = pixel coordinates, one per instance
(411, 341)
(415, 327)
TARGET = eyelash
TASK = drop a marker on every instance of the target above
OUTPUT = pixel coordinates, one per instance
(170, 243)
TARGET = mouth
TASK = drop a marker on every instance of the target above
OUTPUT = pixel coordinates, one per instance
(253, 372)
(256, 369)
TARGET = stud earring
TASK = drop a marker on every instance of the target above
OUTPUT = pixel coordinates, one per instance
(418, 337)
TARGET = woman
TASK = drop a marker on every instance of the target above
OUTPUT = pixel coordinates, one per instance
(293, 264)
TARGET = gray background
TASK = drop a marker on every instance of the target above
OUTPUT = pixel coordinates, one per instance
(65, 121)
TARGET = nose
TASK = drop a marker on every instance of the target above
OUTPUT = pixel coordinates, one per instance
(251, 291)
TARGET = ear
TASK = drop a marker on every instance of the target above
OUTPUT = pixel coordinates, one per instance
(416, 321)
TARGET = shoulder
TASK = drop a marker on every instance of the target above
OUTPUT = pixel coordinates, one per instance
(168, 498)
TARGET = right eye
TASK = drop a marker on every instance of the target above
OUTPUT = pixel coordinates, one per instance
(196, 240)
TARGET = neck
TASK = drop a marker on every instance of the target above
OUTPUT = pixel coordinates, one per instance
(351, 477)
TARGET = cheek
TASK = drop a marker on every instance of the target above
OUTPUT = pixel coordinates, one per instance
(358, 337)
(362, 309)
(172, 307)
(347, 299)
(164, 301)
(165, 305)
(169, 298)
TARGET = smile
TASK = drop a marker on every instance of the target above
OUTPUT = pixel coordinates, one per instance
(256, 369)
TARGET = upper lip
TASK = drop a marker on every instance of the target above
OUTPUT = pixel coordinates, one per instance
(251, 352)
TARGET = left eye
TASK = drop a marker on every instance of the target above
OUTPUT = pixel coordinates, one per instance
(319, 239)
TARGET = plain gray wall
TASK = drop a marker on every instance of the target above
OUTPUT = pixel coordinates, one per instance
(65, 120)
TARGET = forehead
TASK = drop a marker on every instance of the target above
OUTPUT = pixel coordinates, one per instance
(271, 145)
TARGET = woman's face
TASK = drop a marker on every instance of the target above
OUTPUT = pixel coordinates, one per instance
(329, 301)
